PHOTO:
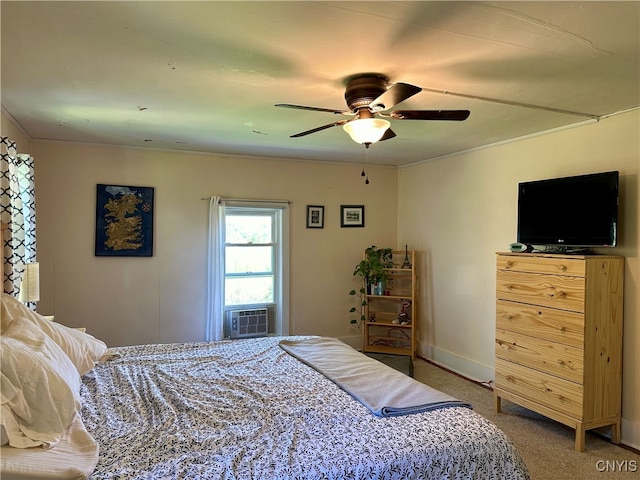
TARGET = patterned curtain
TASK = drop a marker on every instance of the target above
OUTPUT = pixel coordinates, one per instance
(18, 211)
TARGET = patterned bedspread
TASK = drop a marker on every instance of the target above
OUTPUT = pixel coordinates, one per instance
(246, 409)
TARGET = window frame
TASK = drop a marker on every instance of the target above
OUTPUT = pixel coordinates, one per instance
(279, 307)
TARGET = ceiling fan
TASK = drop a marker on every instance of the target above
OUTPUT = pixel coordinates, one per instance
(369, 96)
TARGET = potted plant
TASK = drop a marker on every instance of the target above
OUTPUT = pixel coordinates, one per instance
(371, 270)
(363, 302)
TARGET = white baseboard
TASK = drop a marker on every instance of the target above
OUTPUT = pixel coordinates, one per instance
(631, 433)
(483, 373)
(463, 366)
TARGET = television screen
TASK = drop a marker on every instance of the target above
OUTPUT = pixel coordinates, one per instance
(579, 211)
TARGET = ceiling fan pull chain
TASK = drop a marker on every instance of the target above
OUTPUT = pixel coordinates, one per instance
(366, 181)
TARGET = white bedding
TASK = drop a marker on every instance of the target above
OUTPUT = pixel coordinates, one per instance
(246, 409)
(73, 458)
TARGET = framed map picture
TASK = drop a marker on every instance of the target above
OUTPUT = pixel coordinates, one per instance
(124, 221)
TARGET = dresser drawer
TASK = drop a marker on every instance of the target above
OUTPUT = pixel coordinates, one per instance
(545, 323)
(555, 291)
(552, 392)
(546, 356)
(571, 267)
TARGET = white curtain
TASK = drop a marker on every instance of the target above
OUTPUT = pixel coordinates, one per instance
(18, 211)
(215, 270)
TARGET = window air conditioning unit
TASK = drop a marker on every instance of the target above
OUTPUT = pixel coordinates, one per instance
(248, 323)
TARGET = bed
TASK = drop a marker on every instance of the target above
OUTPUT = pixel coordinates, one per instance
(255, 409)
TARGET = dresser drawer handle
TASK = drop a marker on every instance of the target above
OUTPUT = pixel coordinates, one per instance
(563, 268)
(509, 264)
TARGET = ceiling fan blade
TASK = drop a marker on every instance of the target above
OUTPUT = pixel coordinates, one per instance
(318, 129)
(394, 95)
(314, 109)
(457, 115)
(387, 135)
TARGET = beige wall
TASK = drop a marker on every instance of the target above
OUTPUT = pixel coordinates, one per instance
(125, 300)
(459, 210)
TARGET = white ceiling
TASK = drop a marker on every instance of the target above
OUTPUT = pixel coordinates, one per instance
(205, 76)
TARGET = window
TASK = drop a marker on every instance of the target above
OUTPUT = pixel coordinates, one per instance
(249, 252)
(254, 259)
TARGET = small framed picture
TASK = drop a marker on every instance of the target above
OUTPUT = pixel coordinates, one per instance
(352, 215)
(315, 216)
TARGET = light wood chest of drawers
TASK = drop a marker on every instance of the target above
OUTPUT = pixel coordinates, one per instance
(559, 338)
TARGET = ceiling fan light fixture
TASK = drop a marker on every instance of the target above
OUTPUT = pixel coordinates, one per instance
(366, 130)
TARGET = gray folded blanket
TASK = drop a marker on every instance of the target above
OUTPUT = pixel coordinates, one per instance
(383, 390)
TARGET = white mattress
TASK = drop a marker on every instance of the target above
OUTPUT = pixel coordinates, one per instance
(74, 457)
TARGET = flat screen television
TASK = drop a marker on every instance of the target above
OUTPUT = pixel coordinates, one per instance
(579, 211)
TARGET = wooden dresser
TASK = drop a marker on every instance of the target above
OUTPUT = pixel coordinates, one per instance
(559, 338)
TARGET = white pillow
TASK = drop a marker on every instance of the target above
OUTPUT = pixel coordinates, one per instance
(83, 349)
(40, 386)
(7, 417)
(6, 311)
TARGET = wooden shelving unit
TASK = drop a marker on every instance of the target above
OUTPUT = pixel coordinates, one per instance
(379, 332)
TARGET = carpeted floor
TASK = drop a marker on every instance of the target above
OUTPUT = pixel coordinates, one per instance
(546, 446)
